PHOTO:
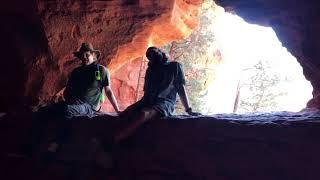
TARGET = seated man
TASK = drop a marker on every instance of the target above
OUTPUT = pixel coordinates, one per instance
(86, 83)
(163, 81)
(83, 95)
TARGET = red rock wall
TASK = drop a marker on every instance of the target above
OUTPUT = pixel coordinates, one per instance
(124, 85)
(23, 49)
(120, 29)
(41, 35)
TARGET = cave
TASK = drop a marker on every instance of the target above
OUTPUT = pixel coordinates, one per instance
(40, 36)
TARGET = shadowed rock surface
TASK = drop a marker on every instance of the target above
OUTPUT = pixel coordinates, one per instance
(279, 145)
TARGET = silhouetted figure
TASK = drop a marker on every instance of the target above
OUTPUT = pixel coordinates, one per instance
(83, 95)
(163, 81)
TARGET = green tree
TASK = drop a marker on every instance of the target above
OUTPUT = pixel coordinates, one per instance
(259, 90)
(198, 57)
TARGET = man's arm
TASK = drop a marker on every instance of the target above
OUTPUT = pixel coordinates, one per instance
(185, 101)
(107, 88)
(179, 84)
(112, 99)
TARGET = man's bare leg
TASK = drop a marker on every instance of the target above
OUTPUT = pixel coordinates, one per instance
(143, 116)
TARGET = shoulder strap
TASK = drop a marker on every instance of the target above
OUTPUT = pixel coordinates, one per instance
(101, 75)
(101, 85)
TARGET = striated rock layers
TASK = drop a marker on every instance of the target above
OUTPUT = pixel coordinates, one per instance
(296, 25)
(40, 36)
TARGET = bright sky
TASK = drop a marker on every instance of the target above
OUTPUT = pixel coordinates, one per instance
(242, 45)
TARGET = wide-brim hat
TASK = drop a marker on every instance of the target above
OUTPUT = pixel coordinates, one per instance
(87, 47)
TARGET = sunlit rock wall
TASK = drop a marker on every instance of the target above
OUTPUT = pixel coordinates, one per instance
(40, 37)
(124, 85)
(296, 24)
(122, 30)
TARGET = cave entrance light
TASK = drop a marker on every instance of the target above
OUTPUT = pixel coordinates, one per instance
(232, 66)
(256, 70)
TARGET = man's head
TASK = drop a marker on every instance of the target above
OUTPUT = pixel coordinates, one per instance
(87, 54)
(155, 56)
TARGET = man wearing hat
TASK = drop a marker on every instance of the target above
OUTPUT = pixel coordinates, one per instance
(83, 96)
(86, 83)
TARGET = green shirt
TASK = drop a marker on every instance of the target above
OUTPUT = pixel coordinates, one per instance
(83, 84)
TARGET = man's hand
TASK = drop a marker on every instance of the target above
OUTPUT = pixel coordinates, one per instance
(185, 101)
(118, 112)
(191, 113)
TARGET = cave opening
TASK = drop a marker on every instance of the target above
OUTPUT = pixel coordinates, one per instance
(232, 66)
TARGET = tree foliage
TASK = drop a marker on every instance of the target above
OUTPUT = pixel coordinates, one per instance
(259, 89)
(198, 56)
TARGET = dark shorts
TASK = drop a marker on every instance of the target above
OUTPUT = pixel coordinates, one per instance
(164, 108)
(66, 111)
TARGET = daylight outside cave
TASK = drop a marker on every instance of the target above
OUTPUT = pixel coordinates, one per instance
(232, 66)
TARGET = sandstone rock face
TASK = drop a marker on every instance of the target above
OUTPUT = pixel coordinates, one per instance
(124, 85)
(24, 50)
(122, 30)
(296, 24)
(42, 35)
